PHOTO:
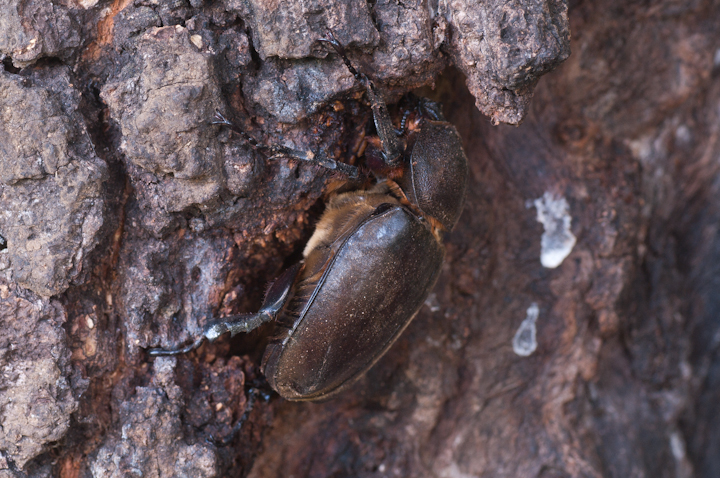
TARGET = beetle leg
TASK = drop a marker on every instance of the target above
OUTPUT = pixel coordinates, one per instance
(220, 119)
(159, 352)
(275, 299)
(236, 324)
(321, 160)
(392, 152)
(279, 150)
(233, 324)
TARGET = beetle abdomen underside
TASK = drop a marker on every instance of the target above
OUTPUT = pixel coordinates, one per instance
(370, 292)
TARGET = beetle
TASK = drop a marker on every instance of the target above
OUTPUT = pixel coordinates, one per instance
(371, 262)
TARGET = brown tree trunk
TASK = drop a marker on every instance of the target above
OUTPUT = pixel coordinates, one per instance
(573, 331)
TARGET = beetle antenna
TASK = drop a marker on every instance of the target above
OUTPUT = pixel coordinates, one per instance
(403, 123)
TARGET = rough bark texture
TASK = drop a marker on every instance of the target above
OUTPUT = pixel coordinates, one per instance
(574, 329)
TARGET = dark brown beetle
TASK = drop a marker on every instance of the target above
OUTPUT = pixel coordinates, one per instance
(369, 266)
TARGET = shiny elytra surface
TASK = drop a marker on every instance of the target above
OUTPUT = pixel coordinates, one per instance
(369, 293)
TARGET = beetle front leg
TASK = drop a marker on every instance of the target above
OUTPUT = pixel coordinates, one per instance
(392, 150)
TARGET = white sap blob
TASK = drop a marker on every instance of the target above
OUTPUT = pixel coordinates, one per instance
(557, 241)
(677, 446)
(525, 340)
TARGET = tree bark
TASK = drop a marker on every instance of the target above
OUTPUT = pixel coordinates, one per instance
(573, 330)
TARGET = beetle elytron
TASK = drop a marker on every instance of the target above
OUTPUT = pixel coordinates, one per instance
(369, 266)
